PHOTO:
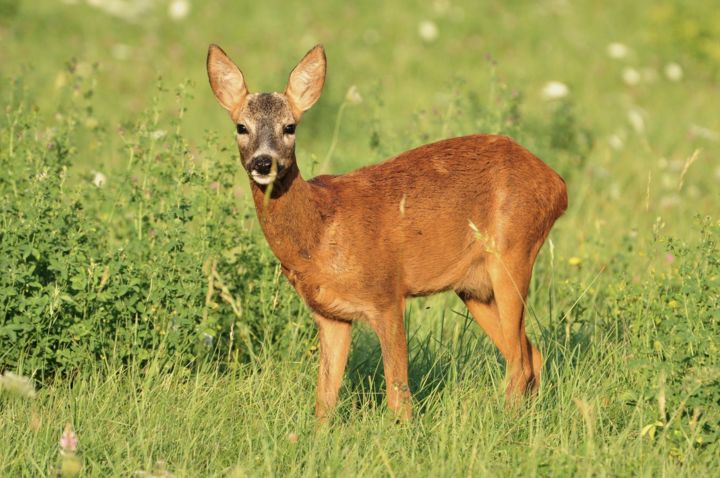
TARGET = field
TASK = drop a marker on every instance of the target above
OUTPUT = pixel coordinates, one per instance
(140, 304)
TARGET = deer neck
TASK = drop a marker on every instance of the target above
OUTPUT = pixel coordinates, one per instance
(291, 218)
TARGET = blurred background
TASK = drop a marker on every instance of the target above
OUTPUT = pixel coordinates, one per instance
(639, 79)
(619, 97)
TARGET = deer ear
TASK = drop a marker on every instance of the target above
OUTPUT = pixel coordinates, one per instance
(306, 81)
(226, 80)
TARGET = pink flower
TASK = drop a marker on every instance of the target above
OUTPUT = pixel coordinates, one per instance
(669, 258)
(68, 440)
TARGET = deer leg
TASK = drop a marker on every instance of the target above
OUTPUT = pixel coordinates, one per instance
(524, 362)
(335, 338)
(486, 316)
(390, 329)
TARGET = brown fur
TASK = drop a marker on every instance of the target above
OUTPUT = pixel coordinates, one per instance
(356, 246)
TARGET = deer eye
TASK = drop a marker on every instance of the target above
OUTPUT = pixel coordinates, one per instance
(289, 129)
(242, 129)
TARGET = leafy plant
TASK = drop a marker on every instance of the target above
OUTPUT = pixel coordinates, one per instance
(150, 263)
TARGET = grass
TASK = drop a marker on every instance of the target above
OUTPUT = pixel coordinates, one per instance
(624, 302)
(255, 421)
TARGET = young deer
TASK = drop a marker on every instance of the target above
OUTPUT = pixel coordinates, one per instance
(466, 214)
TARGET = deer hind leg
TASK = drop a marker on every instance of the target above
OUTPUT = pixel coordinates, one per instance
(335, 336)
(486, 315)
(390, 329)
(511, 280)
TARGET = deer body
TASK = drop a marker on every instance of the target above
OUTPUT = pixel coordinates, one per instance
(466, 214)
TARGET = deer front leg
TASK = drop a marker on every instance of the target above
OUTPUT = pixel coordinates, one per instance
(390, 329)
(334, 338)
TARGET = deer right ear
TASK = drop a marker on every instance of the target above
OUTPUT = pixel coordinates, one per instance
(226, 79)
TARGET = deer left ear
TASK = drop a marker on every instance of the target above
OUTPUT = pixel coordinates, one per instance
(306, 81)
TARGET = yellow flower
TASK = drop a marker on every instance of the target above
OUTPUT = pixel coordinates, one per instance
(574, 261)
(673, 304)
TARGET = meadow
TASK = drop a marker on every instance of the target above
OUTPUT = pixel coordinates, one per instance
(140, 305)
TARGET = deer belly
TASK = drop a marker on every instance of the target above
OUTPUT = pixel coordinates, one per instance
(325, 297)
(439, 271)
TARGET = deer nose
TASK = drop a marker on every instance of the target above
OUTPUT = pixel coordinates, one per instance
(262, 163)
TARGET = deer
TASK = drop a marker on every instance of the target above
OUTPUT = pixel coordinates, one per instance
(467, 214)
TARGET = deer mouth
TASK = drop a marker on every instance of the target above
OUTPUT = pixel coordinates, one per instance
(264, 179)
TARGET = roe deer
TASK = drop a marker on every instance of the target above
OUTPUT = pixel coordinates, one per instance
(356, 246)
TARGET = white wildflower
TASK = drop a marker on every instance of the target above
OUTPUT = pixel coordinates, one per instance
(17, 385)
(129, 10)
(617, 50)
(636, 120)
(428, 31)
(554, 90)
(99, 179)
(179, 9)
(353, 96)
(673, 72)
(158, 134)
(630, 76)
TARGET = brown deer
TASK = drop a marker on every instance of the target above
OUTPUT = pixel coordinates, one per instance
(466, 214)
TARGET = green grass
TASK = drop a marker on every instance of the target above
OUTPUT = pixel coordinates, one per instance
(210, 423)
(111, 305)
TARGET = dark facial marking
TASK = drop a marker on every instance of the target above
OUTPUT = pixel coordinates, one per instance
(266, 104)
(270, 113)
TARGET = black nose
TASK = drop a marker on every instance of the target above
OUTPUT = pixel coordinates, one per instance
(262, 164)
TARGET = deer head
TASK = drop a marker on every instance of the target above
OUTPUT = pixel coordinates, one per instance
(265, 123)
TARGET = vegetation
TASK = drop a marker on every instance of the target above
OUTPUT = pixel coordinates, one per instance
(140, 305)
